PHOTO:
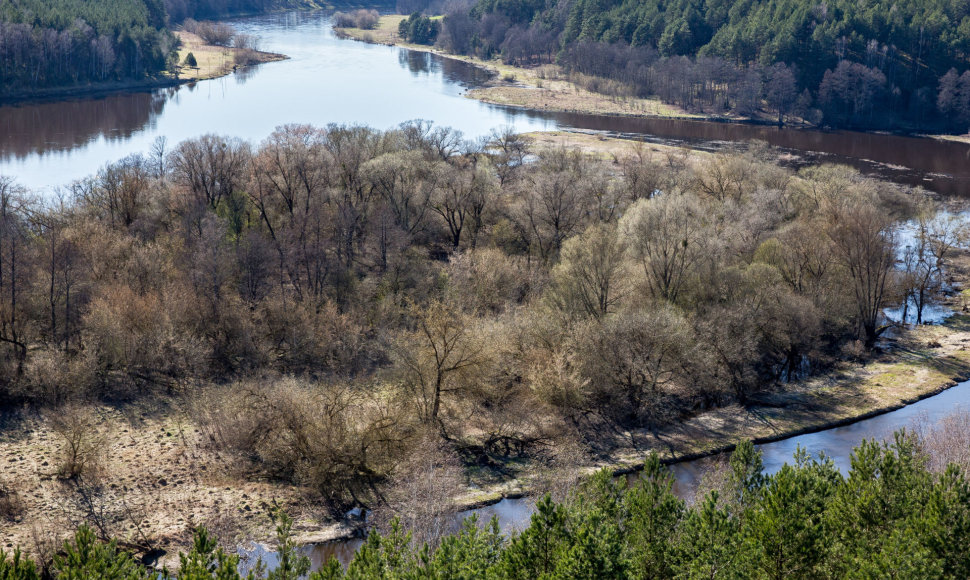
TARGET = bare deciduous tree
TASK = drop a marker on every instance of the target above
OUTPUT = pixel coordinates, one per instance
(439, 359)
(865, 243)
(591, 276)
(664, 236)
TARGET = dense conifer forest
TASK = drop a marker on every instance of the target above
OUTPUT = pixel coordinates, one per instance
(841, 63)
(63, 43)
(45, 44)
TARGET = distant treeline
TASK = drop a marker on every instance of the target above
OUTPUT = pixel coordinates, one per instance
(842, 63)
(55, 43)
(45, 44)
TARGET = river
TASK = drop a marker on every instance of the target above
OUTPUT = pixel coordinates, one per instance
(333, 80)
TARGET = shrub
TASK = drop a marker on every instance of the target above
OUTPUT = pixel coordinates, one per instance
(364, 19)
(11, 506)
(245, 57)
(82, 443)
(246, 42)
(330, 438)
(216, 33)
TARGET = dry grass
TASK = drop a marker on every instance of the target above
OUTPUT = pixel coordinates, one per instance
(540, 88)
(608, 148)
(158, 480)
(213, 61)
(965, 138)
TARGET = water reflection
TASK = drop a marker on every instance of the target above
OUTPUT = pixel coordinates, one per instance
(243, 74)
(416, 62)
(325, 80)
(457, 72)
(42, 128)
(939, 165)
(331, 80)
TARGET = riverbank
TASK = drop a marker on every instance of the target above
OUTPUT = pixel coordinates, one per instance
(212, 62)
(154, 481)
(215, 61)
(545, 88)
(919, 363)
(542, 88)
(914, 363)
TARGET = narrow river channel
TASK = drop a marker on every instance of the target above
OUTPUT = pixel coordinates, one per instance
(836, 443)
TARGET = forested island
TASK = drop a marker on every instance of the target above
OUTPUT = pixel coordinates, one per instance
(412, 323)
(219, 347)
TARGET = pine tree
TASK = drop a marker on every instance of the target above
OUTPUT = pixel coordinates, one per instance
(291, 564)
(87, 557)
(653, 515)
(536, 552)
(17, 567)
(709, 545)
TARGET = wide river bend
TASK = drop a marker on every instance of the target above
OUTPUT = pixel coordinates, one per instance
(332, 80)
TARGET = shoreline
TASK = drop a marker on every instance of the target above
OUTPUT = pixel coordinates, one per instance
(518, 488)
(190, 43)
(499, 92)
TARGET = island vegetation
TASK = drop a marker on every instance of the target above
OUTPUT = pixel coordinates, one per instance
(323, 319)
(62, 47)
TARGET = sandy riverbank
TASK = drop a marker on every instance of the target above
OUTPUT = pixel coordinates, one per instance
(215, 61)
(543, 88)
